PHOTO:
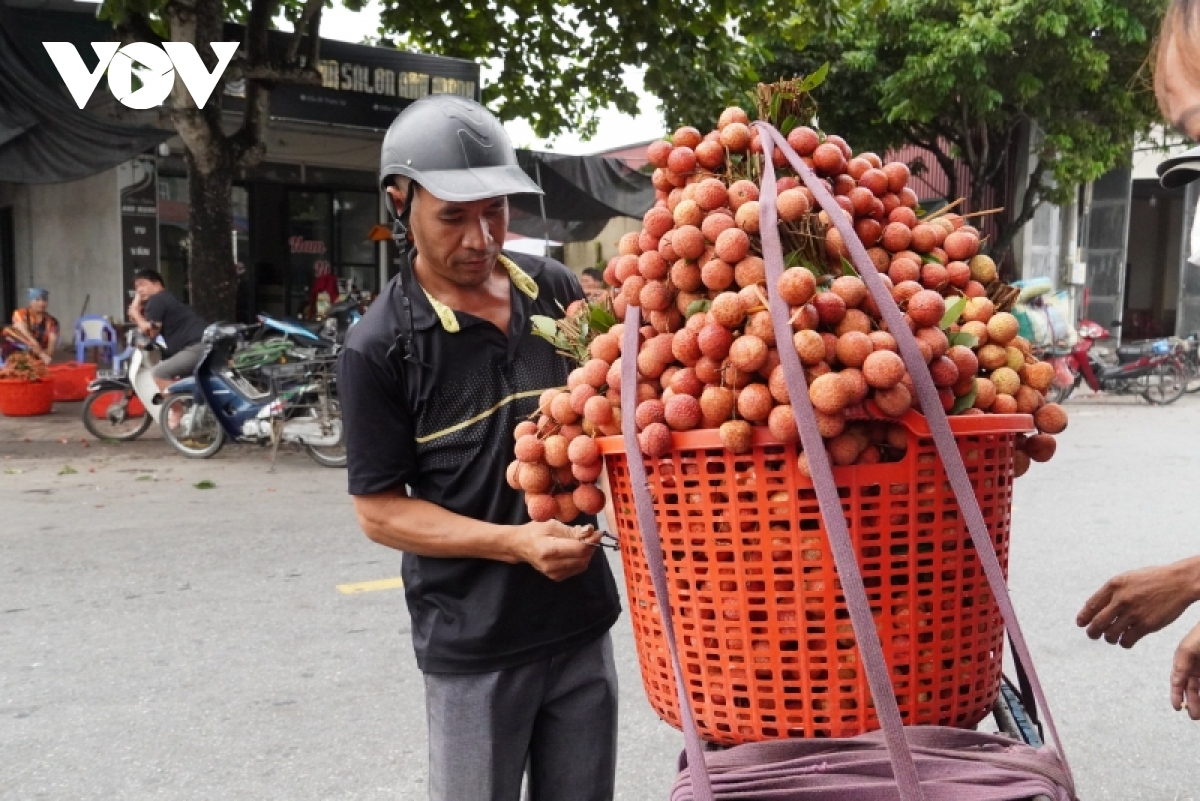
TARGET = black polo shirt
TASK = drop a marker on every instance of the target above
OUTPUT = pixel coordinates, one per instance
(441, 423)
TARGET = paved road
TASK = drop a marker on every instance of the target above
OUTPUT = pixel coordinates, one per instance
(161, 641)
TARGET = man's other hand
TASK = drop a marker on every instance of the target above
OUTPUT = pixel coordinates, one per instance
(1185, 675)
(1137, 603)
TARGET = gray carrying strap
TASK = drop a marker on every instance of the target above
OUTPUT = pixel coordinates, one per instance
(939, 424)
(958, 765)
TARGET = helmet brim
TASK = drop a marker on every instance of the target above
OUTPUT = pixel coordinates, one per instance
(1180, 170)
(478, 183)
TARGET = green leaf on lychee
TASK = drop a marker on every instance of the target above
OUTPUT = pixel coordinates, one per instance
(600, 318)
(929, 258)
(815, 79)
(788, 125)
(544, 326)
(953, 312)
(964, 339)
(848, 268)
(698, 306)
(966, 401)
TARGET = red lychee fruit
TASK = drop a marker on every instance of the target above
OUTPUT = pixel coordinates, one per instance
(711, 194)
(534, 477)
(687, 212)
(782, 424)
(588, 499)
(717, 275)
(792, 204)
(1041, 447)
(797, 286)
(732, 245)
(830, 308)
(588, 473)
(750, 271)
(828, 159)
(710, 155)
(716, 405)
(682, 412)
(883, 369)
(598, 411)
(894, 401)
(1002, 327)
(809, 346)
(512, 474)
(828, 394)
(851, 289)
(853, 348)
(754, 403)
(541, 507)
(927, 307)
(561, 410)
(736, 436)
(903, 269)
(882, 340)
(655, 440)
(567, 510)
(804, 140)
(583, 450)
(748, 353)
(896, 237)
(687, 241)
(844, 449)
(741, 192)
(728, 310)
(1051, 419)
(649, 411)
(747, 217)
(961, 246)
(580, 396)
(682, 160)
(856, 385)
(855, 320)
(935, 338)
(736, 137)
(944, 372)
(964, 359)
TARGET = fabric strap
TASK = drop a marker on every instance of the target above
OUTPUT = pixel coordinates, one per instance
(953, 764)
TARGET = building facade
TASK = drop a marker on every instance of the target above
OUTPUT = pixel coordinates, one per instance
(307, 208)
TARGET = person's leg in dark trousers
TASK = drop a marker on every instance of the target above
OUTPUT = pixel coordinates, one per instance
(573, 753)
(479, 730)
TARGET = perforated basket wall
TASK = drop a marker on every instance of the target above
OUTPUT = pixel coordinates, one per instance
(763, 631)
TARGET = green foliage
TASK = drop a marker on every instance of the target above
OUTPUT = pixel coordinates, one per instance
(974, 72)
(562, 62)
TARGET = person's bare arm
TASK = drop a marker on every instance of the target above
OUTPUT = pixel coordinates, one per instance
(147, 327)
(1140, 602)
(426, 529)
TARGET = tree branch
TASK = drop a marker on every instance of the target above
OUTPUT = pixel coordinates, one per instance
(1029, 206)
(312, 9)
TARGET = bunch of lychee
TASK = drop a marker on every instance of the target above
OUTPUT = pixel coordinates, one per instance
(707, 353)
(557, 460)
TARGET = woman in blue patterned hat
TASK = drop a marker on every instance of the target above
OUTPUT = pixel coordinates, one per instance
(33, 328)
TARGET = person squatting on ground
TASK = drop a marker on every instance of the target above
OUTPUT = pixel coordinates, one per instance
(1141, 602)
(33, 328)
(510, 618)
(156, 312)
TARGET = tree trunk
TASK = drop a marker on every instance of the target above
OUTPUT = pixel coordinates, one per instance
(211, 271)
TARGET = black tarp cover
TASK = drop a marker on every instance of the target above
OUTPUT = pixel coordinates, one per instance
(44, 137)
(582, 194)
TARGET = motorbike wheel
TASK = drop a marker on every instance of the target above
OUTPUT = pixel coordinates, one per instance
(196, 434)
(330, 455)
(1191, 369)
(1166, 384)
(116, 423)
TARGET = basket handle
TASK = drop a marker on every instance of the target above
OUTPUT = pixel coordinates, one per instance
(830, 503)
(939, 426)
(652, 547)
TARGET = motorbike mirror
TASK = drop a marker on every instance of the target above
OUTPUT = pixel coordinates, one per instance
(1115, 324)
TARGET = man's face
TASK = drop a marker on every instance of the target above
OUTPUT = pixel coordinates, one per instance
(459, 241)
(1178, 91)
(145, 288)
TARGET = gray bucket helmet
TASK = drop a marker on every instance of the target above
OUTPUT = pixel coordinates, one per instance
(455, 148)
(1181, 169)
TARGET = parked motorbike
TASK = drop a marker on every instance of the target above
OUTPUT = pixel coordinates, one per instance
(217, 403)
(122, 407)
(1151, 369)
(1189, 354)
(327, 333)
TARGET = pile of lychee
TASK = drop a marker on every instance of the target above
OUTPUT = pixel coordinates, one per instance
(707, 354)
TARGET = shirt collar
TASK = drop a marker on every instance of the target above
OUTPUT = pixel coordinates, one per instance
(433, 310)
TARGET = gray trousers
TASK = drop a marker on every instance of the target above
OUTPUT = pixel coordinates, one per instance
(556, 719)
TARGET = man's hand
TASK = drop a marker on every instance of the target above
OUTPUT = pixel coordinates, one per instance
(1134, 604)
(45, 357)
(1185, 675)
(557, 550)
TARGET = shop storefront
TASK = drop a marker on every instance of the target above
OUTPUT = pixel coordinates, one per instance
(306, 210)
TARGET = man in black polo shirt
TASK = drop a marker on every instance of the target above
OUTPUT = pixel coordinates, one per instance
(510, 618)
(156, 311)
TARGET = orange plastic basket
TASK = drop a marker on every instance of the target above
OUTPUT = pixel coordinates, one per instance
(20, 398)
(764, 634)
(71, 380)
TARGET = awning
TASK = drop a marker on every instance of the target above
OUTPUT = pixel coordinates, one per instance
(44, 137)
(582, 194)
